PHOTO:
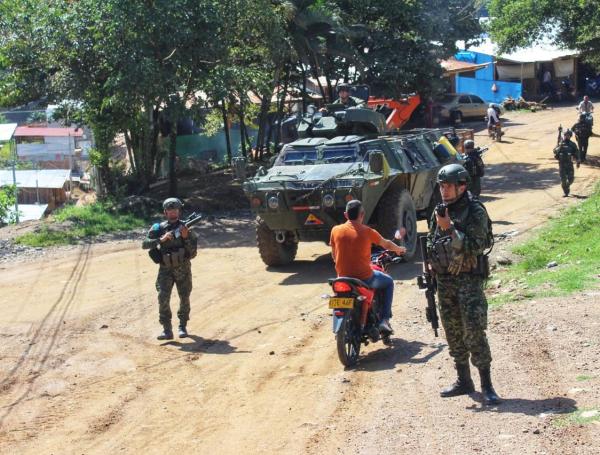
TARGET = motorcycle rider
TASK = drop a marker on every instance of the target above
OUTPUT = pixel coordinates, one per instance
(586, 106)
(351, 250)
(493, 119)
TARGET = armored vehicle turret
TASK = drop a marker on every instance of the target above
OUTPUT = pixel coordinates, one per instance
(341, 156)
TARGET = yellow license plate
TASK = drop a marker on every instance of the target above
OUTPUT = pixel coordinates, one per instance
(341, 302)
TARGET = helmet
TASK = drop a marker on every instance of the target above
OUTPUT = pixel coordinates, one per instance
(491, 105)
(172, 203)
(452, 173)
(469, 144)
(568, 133)
(343, 86)
(582, 117)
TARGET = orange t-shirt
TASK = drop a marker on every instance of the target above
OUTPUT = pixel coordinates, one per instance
(351, 248)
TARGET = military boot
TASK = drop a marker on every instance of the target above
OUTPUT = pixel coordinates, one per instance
(167, 333)
(487, 389)
(463, 385)
(182, 331)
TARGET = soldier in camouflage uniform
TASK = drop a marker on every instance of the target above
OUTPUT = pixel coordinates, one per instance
(177, 245)
(456, 242)
(474, 165)
(565, 152)
(583, 131)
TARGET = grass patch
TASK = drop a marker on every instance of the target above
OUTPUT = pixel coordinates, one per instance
(72, 224)
(584, 377)
(579, 417)
(571, 240)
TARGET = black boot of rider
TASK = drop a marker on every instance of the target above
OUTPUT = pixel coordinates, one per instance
(463, 385)
(490, 396)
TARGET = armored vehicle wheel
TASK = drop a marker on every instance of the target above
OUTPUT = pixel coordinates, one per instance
(271, 251)
(396, 209)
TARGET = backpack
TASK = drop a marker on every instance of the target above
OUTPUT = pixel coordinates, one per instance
(489, 245)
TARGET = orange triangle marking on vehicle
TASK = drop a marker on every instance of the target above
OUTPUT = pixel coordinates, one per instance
(311, 219)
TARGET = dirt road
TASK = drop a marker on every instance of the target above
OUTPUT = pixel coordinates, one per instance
(81, 371)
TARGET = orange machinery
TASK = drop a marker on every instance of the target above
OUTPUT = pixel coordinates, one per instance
(401, 110)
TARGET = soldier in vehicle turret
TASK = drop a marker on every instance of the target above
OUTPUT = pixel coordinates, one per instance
(345, 99)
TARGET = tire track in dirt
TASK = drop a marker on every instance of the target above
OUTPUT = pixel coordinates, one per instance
(52, 321)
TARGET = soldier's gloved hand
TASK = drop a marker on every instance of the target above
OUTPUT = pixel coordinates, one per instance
(455, 265)
(166, 236)
(470, 262)
(185, 231)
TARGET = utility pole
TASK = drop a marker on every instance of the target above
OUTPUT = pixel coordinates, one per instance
(14, 164)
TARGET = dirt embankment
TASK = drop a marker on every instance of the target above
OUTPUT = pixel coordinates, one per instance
(81, 372)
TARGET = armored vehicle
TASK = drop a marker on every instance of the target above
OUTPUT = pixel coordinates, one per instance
(339, 156)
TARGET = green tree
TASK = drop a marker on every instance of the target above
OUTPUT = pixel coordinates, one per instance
(573, 24)
(7, 201)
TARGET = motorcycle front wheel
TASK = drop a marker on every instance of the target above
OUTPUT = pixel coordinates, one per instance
(348, 340)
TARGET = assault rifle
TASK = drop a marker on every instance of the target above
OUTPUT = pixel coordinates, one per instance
(156, 254)
(559, 139)
(427, 281)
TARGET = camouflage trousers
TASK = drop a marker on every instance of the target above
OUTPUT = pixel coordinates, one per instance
(463, 311)
(583, 143)
(475, 186)
(567, 176)
(182, 278)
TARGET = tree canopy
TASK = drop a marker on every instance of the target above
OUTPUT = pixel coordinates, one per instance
(573, 24)
(136, 67)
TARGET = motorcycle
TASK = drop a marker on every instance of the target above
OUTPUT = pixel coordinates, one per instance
(355, 309)
(495, 132)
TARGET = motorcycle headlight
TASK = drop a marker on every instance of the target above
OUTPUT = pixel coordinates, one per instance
(273, 202)
(328, 200)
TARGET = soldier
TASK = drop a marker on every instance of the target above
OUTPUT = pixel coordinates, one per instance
(565, 152)
(456, 242)
(583, 131)
(178, 245)
(474, 166)
(345, 98)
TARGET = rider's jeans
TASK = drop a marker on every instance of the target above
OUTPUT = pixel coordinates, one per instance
(380, 280)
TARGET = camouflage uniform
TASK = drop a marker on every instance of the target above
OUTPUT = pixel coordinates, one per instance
(169, 275)
(351, 102)
(475, 167)
(462, 303)
(582, 132)
(565, 153)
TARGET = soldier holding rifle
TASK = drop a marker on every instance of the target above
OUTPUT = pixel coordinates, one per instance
(460, 232)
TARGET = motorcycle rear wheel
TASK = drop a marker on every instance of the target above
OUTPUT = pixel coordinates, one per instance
(348, 340)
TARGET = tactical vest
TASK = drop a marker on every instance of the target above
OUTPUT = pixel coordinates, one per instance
(172, 251)
(564, 153)
(442, 253)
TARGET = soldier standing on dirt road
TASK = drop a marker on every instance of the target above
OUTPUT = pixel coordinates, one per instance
(456, 241)
(178, 245)
(582, 131)
(474, 166)
(565, 152)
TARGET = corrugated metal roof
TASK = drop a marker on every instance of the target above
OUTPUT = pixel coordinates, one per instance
(29, 211)
(46, 178)
(453, 66)
(544, 51)
(28, 131)
(7, 130)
